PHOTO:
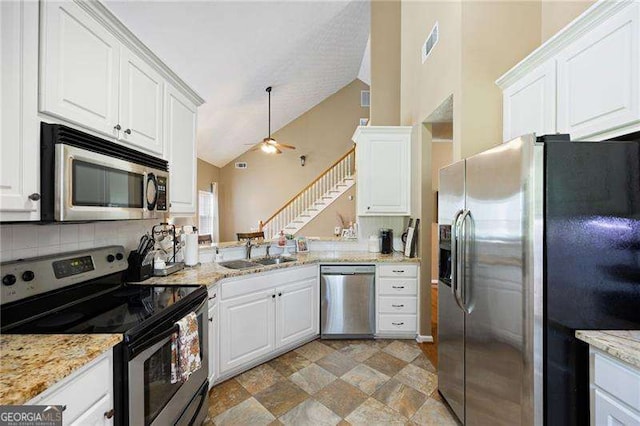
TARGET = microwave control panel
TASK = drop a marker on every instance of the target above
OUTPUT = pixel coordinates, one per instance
(161, 203)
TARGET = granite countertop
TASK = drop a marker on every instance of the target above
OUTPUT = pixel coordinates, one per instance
(260, 243)
(622, 344)
(210, 273)
(32, 363)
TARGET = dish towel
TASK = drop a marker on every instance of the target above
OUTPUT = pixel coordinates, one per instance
(185, 349)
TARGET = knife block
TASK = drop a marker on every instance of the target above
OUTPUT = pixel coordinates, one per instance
(137, 271)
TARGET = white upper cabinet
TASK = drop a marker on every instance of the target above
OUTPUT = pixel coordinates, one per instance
(79, 70)
(529, 105)
(180, 124)
(598, 77)
(583, 81)
(19, 128)
(384, 170)
(141, 92)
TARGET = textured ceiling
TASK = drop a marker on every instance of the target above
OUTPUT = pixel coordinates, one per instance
(230, 51)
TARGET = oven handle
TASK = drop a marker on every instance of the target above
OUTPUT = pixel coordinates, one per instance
(203, 396)
(136, 347)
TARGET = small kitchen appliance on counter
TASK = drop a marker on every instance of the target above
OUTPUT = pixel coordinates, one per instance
(164, 234)
(84, 292)
(386, 241)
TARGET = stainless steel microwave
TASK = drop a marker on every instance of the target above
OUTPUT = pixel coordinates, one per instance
(87, 178)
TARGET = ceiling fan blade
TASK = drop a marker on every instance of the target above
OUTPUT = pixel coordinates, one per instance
(255, 148)
(282, 145)
(277, 150)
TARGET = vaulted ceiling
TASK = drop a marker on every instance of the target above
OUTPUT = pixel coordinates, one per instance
(230, 51)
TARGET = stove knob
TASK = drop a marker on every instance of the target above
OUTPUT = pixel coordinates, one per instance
(28, 275)
(119, 256)
(110, 258)
(9, 279)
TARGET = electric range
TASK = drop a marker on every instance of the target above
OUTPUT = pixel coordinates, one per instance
(84, 292)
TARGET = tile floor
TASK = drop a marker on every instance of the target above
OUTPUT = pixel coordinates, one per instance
(325, 382)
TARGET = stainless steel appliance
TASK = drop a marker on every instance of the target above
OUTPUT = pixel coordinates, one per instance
(386, 241)
(87, 178)
(83, 292)
(347, 308)
(537, 239)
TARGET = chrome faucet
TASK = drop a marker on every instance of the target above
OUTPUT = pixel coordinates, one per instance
(248, 248)
(268, 250)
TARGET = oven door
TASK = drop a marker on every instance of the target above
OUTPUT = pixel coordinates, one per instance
(153, 399)
(93, 186)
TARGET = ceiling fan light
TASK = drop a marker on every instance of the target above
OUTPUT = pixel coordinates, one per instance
(268, 148)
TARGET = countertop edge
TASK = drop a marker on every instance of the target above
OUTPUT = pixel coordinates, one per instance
(622, 348)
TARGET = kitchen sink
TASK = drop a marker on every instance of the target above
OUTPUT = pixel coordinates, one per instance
(239, 264)
(274, 260)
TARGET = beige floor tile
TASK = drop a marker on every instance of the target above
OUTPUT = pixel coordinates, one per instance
(386, 363)
(358, 351)
(226, 395)
(281, 397)
(404, 351)
(337, 363)
(315, 350)
(341, 397)
(373, 412)
(259, 378)
(418, 378)
(248, 412)
(289, 363)
(310, 413)
(365, 378)
(312, 378)
(423, 362)
(434, 413)
(402, 398)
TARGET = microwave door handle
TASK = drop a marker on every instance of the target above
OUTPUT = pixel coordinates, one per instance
(454, 256)
(464, 293)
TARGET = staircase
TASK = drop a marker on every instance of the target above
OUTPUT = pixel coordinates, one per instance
(313, 199)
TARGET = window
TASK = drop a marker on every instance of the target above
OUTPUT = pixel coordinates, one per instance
(208, 212)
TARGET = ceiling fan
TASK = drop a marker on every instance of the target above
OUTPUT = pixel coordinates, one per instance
(268, 144)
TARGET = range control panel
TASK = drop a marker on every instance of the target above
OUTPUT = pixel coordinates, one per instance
(77, 265)
(29, 277)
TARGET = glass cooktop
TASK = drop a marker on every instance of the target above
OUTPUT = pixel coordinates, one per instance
(115, 311)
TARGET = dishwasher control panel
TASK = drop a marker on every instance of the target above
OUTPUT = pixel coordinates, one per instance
(348, 269)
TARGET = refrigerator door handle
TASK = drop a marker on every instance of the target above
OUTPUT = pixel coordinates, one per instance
(464, 293)
(454, 256)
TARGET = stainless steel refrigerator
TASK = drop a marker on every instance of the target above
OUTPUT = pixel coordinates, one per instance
(530, 252)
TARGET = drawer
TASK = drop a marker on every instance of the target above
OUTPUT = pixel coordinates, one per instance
(397, 323)
(616, 378)
(610, 411)
(213, 295)
(84, 390)
(398, 286)
(398, 270)
(397, 305)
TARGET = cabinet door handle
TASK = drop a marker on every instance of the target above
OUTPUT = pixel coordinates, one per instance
(210, 319)
(34, 197)
(117, 127)
(397, 323)
(273, 296)
(397, 286)
(213, 297)
(279, 294)
(109, 414)
(128, 131)
(397, 306)
(368, 207)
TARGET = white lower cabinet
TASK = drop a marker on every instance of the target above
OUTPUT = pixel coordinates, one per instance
(397, 290)
(615, 391)
(263, 313)
(86, 395)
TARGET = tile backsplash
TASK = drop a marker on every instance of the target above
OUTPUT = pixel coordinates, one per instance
(21, 241)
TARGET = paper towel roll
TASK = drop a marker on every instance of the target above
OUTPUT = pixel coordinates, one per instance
(191, 249)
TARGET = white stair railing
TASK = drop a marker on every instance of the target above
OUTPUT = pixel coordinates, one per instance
(313, 198)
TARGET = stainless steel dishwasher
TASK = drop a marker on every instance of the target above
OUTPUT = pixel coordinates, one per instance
(348, 302)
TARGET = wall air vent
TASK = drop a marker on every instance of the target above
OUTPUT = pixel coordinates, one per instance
(365, 98)
(241, 165)
(430, 42)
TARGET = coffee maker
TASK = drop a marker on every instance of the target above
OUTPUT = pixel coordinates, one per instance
(386, 241)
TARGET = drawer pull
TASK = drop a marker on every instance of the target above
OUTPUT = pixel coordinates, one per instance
(109, 414)
(397, 286)
(397, 306)
(397, 323)
(399, 271)
(210, 319)
(213, 297)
